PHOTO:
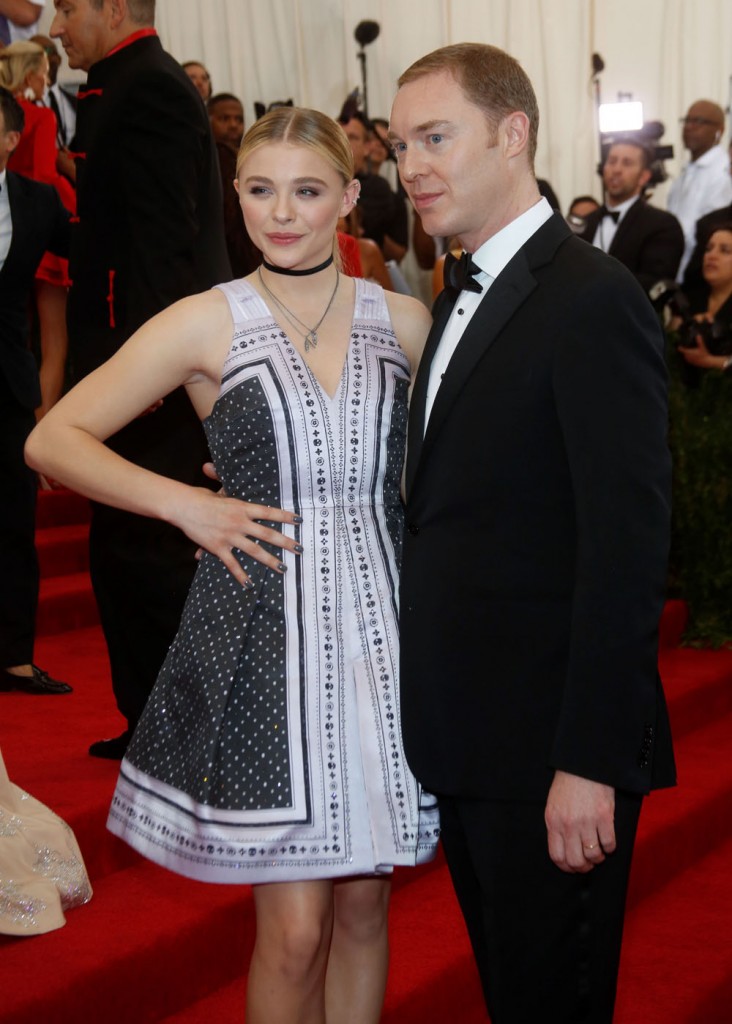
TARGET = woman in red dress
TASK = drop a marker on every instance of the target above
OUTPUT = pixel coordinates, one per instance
(24, 72)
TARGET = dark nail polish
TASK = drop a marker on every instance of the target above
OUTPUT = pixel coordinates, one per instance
(297, 519)
(248, 584)
(299, 549)
(282, 567)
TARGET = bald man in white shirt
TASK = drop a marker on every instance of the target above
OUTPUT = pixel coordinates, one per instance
(705, 183)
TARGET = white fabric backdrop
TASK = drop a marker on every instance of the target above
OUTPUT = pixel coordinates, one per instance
(667, 53)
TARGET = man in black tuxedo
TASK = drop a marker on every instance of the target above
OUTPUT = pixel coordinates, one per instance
(149, 232)
(534, 560)
(32, 220)
(650, 242)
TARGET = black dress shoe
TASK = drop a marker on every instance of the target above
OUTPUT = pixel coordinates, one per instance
(111, 750)
(39, 682)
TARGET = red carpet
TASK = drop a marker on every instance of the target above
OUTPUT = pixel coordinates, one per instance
(154, 947)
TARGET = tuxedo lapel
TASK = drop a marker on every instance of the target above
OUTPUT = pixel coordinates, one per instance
(506, 295)
(20, 211)
(591, 222)
(625, 231)
(418, 403)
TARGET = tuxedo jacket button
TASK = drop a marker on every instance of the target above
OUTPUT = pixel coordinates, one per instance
(413, 529)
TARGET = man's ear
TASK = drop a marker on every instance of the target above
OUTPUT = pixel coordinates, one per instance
(516, 132)
(645, 177)
(118, 12)
(12, 139)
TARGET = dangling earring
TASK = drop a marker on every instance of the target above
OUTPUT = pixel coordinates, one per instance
(29, 94)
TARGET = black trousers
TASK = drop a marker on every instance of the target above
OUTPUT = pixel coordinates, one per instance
(547, 943)
(141, 572)
(18, 559)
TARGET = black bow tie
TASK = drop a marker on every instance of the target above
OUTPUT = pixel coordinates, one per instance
(458, 274)
(614, 215)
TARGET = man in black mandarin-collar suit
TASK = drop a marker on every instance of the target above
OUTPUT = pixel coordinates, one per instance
(537, 490)
(38, 222)
(648, 241)
(149, 232)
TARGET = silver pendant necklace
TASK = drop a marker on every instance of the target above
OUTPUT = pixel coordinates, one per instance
(310, 335)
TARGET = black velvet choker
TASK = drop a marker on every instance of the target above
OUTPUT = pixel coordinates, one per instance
(297, 273)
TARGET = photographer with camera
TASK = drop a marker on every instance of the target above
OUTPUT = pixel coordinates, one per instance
(707, 338)
(700, 438)
(648, 241)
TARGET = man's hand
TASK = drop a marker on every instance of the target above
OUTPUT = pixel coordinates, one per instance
(580, 822)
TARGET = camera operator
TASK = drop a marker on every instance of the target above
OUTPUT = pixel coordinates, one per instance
(707, 337)
(648, 241)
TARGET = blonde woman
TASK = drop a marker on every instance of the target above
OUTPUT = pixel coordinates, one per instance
(270, 750)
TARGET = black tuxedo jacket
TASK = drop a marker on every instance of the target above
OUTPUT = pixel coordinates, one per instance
(40, 223)
(534, 559)
(150, 228)
(649, 242)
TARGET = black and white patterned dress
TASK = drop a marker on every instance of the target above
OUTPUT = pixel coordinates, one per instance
(270, 749)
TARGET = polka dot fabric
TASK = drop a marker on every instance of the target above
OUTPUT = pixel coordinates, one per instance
(270, 749)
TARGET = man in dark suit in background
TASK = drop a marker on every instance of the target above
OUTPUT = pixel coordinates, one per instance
(32, 220)
(650, 242)
(226, 114)
(149, 232)
(534, 561)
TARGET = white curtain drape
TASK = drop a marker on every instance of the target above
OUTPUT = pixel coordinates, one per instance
(666, 53)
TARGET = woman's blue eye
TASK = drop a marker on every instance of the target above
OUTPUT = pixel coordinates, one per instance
(435, 138)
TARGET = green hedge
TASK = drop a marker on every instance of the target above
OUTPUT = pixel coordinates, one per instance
(700, 413)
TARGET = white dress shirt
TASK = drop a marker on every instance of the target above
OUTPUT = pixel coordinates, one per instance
(65, 113)
(6, 220)
(25, 31)
(605, 231)
(491, 257)
(703, 185)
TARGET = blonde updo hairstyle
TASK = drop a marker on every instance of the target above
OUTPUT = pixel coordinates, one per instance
(16, 61)
(299, 126)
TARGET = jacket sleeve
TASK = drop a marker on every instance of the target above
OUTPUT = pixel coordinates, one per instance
(167, 159)
(661, 253)
(613, 418)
